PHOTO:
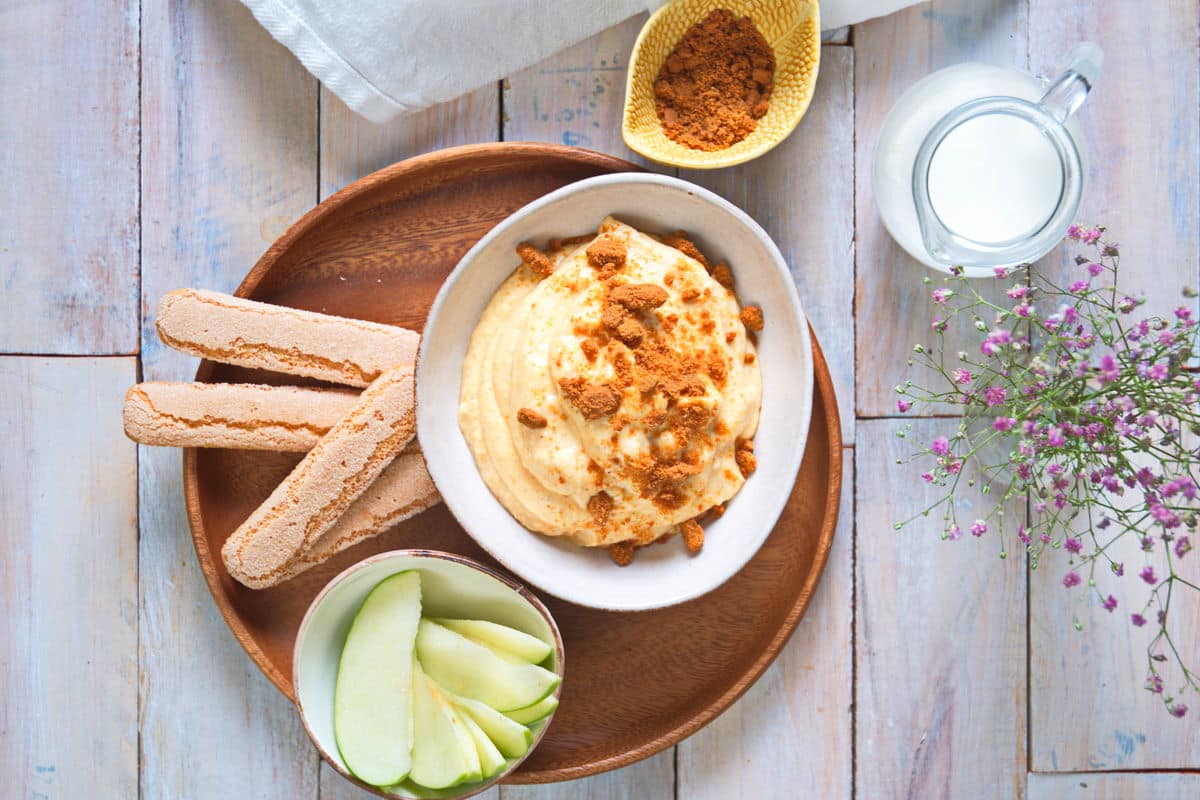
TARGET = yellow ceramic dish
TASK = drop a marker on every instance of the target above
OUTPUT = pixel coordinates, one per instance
(793, 29)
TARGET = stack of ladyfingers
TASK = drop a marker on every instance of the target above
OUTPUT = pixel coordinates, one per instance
(362, 471)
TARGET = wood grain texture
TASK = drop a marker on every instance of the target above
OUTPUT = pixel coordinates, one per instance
(576, 97)
(1088, 708)
(1114, 786)
(352, 146)
(335, 787)
(892, 310)
(229, 161)
(652, 778)
(799, 193)
(792, 730)
(940, 643)
(69, 157)
(68, 580)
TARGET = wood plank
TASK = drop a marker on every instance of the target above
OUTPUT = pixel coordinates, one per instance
(792, 729)
(335, 787)
(1088, 708)
(229, 161)
(651, 778)
(800, 194)
(575, 97)
(892, 304)
(69, 157)
(352, 147)
(940, 639)
(68, 579)
(1114, 786)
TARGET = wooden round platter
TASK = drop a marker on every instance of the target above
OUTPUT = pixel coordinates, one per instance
(637, 682)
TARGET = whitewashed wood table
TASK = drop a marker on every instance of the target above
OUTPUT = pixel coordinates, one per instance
(147, 146)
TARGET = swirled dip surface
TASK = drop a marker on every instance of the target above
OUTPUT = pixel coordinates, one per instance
(610, 390)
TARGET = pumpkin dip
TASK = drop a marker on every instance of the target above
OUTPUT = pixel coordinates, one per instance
(611, 392)
(716, 84)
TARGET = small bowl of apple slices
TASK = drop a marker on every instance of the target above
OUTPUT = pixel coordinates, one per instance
(425, 674)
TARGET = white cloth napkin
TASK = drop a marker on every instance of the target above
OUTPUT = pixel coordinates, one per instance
(387, 57)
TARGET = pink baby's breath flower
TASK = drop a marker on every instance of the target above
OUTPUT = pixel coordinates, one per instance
(1075, 232)
(1091, 236)
(927, 477)
(1078, 287)
(954, 533)
(1155, 684)
(1017, 292)
(1110, 604)
(994, 395)
(939, 324)
(1137, 619)
(961, 375)
(903, 405)
(1183, 313)
(1072, 545)
(1001, 272)
(941, 295)
(1004, 424)
(1023, 310)
(1147, 574)
(1023, 535)
(1183, 546)
(1179, 710)
(940, 446)
(979, 528)
(1166, 338)
(1109, 370)
(1094, 269)
(995, 340)
(1071, 579)
(1157, 372)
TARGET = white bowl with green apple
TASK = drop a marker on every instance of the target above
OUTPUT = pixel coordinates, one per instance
(425, 674)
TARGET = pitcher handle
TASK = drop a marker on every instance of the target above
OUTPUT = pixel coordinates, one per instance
(1069, 89)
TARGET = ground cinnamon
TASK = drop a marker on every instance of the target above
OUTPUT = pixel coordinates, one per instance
(716, 84)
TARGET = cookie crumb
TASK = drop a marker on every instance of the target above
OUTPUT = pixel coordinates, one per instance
(600, 505)
(723, 275)
(693, 535)
(622, 553)
(743, 454)
(530, 418)
(606, 254)
(638, 296)
(752, 318)
(592, 401)
(535, 259)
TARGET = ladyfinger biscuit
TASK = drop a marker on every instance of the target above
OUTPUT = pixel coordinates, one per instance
(232, 330)
(241, 416)
(401, 491)
(326, 481)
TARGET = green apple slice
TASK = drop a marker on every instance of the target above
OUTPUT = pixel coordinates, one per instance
(491, 760)
(511, 738)
(469, 669)
(443, 752)
(372, 701)
(501, 638)
(531, 714)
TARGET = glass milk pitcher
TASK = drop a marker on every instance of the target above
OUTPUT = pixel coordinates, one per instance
(978, 165)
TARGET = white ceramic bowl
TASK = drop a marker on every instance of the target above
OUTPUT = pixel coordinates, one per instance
(451, 586)
(658, 576)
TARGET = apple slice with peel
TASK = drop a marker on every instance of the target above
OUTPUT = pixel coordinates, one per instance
(500, 637)
(443, 752)
(511, 738)
(531, 714)
(469, 669)
(372, 701)
(491, 760)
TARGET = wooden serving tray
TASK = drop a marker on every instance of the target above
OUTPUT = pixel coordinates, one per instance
(636, 682)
